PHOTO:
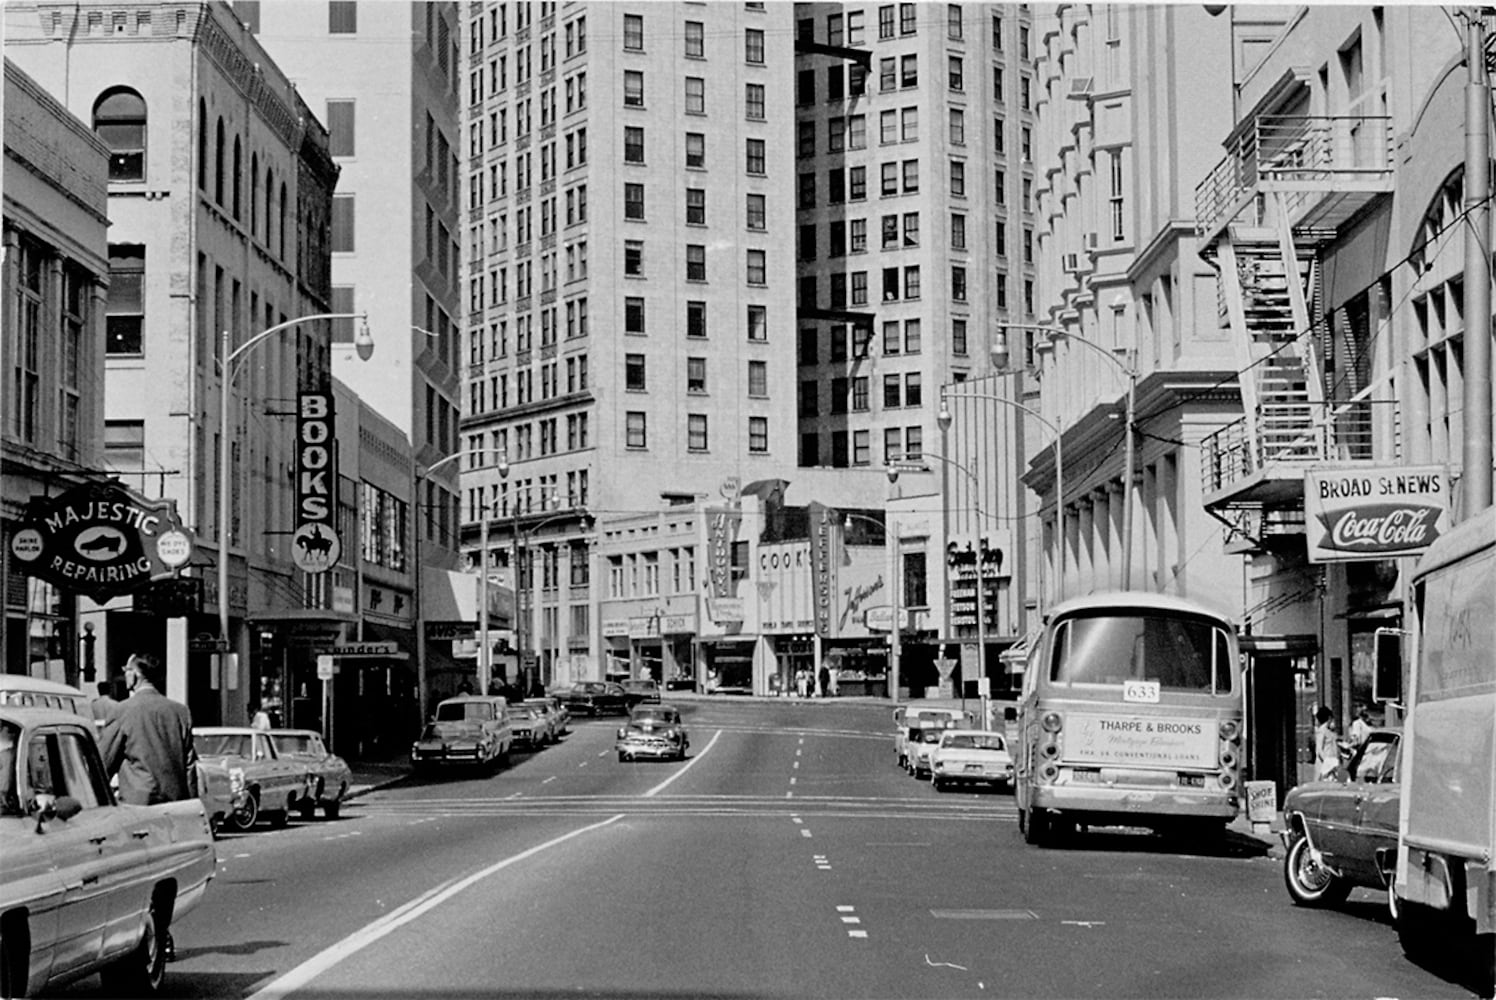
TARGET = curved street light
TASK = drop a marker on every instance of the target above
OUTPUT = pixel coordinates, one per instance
(1000, 358)
(229, 366)
(943, 418)
(891, 542)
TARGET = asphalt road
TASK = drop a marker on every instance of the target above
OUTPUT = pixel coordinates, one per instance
(787, 857)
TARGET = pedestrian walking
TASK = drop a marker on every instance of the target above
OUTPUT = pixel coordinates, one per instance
(825, 679)
(1326, 752)
(148, 743)
(1360, 728)
(104, 706)
(259, 718)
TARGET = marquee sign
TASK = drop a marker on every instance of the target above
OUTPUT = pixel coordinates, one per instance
(101, 540)
(1377, 513)
(315, 547)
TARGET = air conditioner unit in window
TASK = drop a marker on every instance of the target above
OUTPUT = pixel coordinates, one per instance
(1093, 241)
(1081, 87)
(1071, 263)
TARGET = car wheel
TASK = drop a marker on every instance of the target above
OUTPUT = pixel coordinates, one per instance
(306, 808)
(15, 954)
(140, 972)
(1309, 882)
(938, 784)
(278, 818)
(622, 757)
(1035, 823)
(331, 808)
(243, 818)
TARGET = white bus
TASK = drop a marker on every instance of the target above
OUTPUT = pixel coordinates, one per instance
(1130, 715)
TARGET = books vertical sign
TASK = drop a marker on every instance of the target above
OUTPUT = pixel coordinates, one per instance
(314, 544)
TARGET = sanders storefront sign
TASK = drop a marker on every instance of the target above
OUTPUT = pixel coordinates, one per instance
(1374, 513)
(314, 544)
(101, 540)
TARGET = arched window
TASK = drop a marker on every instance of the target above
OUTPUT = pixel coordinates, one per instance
(254, 194)
(281, 225)
(202, 145)
(218, 166)
(269, 205)
(238, 174)
(119, 120)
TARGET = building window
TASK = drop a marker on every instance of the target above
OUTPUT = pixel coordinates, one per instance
(125, 312)
(1115, 199)
(956, 73)
(958, 283)
(695, 262)
(340, 133)
(342, 223)
(633, 88)
(758, 435)
(696, 375)
(958, 127)
(907, 22)
(695, 206)
(633, 201)
(758, 324)
(755, 163)
(633, 144)
(634, 434)
(695, 40)
(633, 32)
(958, 231)
(958, 337)
(695, 95)
(758, 379)
(342, 17)
(696, 320)
(633, 258)
(696, 438)
(695, 150)
(753, 102)
(633, 314)
(953, 22)
(758, 267)
(119, 119)
(958, 178)
(753, 46)
(633, 372)
(885, 21)
(908, 71)
(757, 212)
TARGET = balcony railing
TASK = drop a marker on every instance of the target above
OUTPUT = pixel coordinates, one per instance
(1304, 154)
(1288, 436)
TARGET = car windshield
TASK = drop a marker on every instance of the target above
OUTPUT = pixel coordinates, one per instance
(1377, 761)
(1180, 652)
(464, 711)
(10, 738)
(298, 743)
(654, 718)
(222, 744)
(974, 741)
(522, 713)
(928, 735)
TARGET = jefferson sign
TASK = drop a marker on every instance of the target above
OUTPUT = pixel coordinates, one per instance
(101, 540)
(1377, 513)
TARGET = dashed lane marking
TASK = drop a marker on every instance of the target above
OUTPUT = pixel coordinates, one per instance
(657, 789)
(804, 832)
(987, 915)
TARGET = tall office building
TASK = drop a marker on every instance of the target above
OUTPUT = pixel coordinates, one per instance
(630, 276)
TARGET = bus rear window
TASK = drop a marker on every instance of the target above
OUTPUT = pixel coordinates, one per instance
(1181, 654)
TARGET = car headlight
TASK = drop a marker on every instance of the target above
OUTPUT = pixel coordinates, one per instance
(236, 780)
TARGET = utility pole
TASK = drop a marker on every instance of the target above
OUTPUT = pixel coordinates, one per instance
(1476, 477)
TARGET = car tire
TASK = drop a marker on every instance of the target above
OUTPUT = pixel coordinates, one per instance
(278, 818)
(307, 809)
(331, 808)
(1308, 883)
(140, 972)
(15, 954)
(244, 819)
(938, 784)
(622, 757)
(1035, 823)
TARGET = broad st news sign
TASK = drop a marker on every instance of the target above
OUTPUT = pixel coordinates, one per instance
(1377, 513)
(101, 540)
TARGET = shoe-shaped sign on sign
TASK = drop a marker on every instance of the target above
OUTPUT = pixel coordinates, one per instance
(314, 544)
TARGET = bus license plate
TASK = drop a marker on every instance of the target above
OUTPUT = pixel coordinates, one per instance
(1192, 781)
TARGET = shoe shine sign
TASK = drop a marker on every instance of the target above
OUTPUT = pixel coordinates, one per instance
(101, 540)
(1374, 513)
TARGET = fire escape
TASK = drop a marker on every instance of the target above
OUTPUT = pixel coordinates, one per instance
(1265, 214)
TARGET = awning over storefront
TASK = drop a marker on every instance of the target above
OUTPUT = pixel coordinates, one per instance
(450, 596)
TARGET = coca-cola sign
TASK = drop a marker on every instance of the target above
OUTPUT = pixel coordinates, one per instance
(1376, 513)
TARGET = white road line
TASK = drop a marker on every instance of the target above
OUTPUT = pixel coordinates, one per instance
(657, 789)
(804, 832)
(851, 920)
(845, 909)
(857, 934)
(394, 920)
(793, 780)
(797, 765)
(514, 796)
(547, 781)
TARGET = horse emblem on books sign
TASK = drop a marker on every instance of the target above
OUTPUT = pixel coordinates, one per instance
(314, 544)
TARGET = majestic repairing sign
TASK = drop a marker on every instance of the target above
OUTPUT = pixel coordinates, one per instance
(1378, 513)
(101, 540)
(314, 544)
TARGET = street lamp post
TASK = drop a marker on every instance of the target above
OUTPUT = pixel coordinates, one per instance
(363, 341)
(981, 582)
(1128, 368)
(943, 418)
(891, 541)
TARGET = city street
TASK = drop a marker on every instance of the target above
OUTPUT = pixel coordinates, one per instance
(787, 857)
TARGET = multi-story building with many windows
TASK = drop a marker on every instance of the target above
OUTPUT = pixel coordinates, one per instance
(630, 276)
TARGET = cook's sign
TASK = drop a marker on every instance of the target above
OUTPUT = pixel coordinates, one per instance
(101, 540)
(1374, 513)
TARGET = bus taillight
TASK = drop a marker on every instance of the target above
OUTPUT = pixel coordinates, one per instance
(1052, 722)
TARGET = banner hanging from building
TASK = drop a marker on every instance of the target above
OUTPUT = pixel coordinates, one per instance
(315, 547)
(1376, 513)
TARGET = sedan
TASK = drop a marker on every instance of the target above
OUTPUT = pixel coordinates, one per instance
(328, 775)
(554, 713)
(1343, 833)
(971, 756)
(596, 698)
(88, 885)
(275, 785)
(641, 691)
(529, 726)
(653, 731)
(919, 747)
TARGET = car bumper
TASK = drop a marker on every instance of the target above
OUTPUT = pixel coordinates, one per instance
(998, 776)
(660, 750)
(449, 755)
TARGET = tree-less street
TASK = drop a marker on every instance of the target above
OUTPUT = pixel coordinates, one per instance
(787, 857)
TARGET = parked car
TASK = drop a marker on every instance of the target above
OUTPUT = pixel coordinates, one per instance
(921, 744)
(467, 729)
(88, 885)
(907, 717)
(225, 795)
(328, 775)
(1343, 833)
(275, 785)
(642, 691)
(529, 726)
(24, 691)
(971, 756)
(597, 697)
(653, 731)
(555, 715)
